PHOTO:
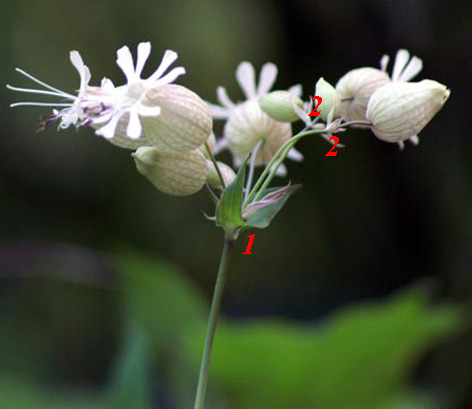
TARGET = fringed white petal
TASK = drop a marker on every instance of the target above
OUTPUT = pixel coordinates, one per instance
(281, 171)
(415, 140)
(144, 110)
(169, 57)
(246, 78)
(401, 60)
(125, 61)
(108, 131)
(223, 98)
(134, 128)
(82, 69)
(168, 78)
(266, 78)
(411, 70)
(384, 62)
(296, 90)
(218, 112)
(295, 155)
(107, 85)
(144, 50)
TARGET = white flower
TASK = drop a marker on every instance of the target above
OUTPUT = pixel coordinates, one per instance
(247, 124)
(357, 86)
(128, 99)
(107, 107)
(400, 110)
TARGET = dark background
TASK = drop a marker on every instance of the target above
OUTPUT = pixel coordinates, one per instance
(366, 223)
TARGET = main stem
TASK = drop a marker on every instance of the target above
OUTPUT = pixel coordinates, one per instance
(213, 321)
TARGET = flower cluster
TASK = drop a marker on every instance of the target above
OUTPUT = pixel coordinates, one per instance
(170, 127)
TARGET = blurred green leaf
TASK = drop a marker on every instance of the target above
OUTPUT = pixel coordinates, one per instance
(360, 359)
(131, 387)
(169, 306)
(159, 296)
(16, 393)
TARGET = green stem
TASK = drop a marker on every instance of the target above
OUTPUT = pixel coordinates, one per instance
(213, 321)
(251, 167)
(366, 123)
(212, 157)
(274, 163)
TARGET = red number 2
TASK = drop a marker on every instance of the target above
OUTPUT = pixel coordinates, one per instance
(331, 153)
(313, 113)
(251, 239)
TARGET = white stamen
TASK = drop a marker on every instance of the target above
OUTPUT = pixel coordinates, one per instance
(39, 104)
(44, 84)
(38, 91)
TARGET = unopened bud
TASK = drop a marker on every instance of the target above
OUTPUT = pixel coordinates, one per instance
(226, 172)
(279, 105)
(355, 88)
(401, 110)
(172, 173)
(330, 99)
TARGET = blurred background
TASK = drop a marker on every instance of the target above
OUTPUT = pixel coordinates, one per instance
(357, 296)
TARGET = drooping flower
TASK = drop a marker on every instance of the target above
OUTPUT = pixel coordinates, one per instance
(247, 123)
(400, 110)
(356, 87)
(144, 111)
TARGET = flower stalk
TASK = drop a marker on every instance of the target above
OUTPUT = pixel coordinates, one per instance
(213, 321)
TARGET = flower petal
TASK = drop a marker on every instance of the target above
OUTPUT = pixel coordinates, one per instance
(144, 110)
(134, 128)
(411, 70)
(144, 50)
(295, 155)
(218, 112)
(223, 98)
(82, 69)
(296, 90)
(169, 57)
(108, 131)
(266, 78)
(401, 60)
(246, 78)
(124, 59)
(168, 78)
(384, 62)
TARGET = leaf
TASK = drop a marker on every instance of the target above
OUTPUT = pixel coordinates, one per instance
(359, 359)
(228, 211)
(131, 386)
(260, 214)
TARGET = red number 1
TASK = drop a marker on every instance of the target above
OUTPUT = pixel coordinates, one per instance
(251, 239)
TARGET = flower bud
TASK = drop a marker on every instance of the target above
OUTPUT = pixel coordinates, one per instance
(355, 88)
(279, 105)
(226, 172)
(401, 110)
(247, 125)
(184, 123)
(330, 99)
(172, 173)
